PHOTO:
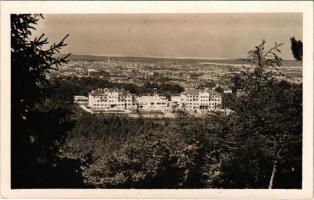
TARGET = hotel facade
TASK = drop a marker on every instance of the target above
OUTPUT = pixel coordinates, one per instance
(198, 100)
(191, 100)
(110, 99)
(153, 103)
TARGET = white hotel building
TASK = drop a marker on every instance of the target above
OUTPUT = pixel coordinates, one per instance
(190, 100)
(201, 100)
(83, 100)
(153, 103)
(113, 99)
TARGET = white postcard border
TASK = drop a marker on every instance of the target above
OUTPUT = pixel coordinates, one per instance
(60, 7)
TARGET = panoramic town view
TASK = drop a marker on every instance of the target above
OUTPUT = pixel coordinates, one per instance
(157, 101)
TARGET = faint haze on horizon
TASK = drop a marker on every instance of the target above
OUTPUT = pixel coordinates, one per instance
(207, 36)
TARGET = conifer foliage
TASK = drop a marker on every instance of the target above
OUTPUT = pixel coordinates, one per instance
(36, 127)
(297, 48)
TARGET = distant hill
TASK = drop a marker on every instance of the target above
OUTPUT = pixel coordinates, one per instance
(169, 60)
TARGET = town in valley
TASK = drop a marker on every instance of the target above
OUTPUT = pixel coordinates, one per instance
(204, 82)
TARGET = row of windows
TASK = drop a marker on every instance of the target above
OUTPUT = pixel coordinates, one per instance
(205, 96)
(202, 108)
(81, 100)
(204, 100)
(111, 97)
(152, 103)
(191, 96)
(106, 105)
(158, 103)
(105, 100)
(204, 104)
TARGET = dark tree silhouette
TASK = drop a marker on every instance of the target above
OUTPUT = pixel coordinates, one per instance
(297, 49)
(35, 127)
(267, 127)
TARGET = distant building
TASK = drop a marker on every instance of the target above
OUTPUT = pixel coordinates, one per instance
(83, 100)
(107, 99)
(202, 100)
(228, 91)
(79, 69)
(90, 71)
(153, 103)
(115, 99)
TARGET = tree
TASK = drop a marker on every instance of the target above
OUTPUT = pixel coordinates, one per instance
(266, 126)
(36, 127)
(219, 89)
(297, 49)
(208, 84)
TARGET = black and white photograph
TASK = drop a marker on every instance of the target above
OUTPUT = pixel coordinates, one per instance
(177, 100)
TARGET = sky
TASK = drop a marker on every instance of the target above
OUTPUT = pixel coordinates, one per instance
(211, 36)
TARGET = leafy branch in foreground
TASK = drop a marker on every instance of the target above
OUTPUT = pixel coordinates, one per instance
(268, 125)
